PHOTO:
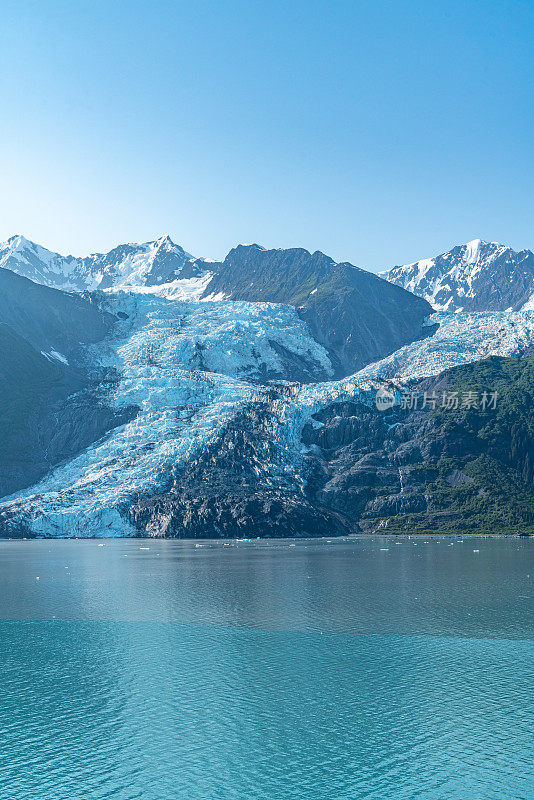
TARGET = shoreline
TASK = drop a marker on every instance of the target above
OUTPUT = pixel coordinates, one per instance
(244, 540)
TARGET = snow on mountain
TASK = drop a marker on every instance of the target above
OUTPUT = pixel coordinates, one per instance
(39, 264)
(190, 368)
(477, 276)
(189, 289)
(459, 339)
(126, 266)
(357, 316)
(133, 265)
(190, 364)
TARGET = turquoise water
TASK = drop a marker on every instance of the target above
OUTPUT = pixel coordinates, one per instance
(349, 669)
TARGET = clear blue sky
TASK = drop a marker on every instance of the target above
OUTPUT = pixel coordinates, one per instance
(379, 132)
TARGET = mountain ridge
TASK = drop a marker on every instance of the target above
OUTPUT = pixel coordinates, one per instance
(126, 265)
(240, 398)
(356, 315)
(476, 276)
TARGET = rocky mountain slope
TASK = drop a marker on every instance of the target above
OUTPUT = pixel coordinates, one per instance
(166, 410)
(211, 440)
(477, 276)
(50, 320)
(355, 315)
(416, 470)
(49, 400)
(408, 470)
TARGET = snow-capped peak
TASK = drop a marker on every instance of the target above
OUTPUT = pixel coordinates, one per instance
(165, 242)
(476, 276)
(23, 256)
(472, 250)
(17, 242)
(125, 266)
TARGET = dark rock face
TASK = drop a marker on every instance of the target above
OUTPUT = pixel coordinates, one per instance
(398, 471)
(359, 321)
(361, 459)
(48, 422)
(412, 471)
(236, 488)
(49, 406)
(356, 316)
(49, 318)
(478, 276)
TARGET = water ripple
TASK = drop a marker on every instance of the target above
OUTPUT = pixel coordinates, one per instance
(333, 689)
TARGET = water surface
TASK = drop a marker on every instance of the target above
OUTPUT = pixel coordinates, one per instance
(371, 668)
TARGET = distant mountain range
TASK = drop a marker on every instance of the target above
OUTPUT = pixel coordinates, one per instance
(148, 392)
(354, 314)
(126, 266)
(477, 276)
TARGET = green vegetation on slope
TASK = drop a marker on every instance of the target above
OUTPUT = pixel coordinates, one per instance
(485, 483)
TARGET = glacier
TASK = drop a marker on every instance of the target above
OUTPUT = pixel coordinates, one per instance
(189, 367)
(459, 339)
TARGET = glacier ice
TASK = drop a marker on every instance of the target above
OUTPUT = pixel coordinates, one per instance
(460, 338)
(190, 367)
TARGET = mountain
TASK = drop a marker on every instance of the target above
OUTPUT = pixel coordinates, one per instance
(355, 315)
(189, 422)
(414, 470)
(477, 276)
(50, 320)
(217, 403)
(50, 394)
(126, 266)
